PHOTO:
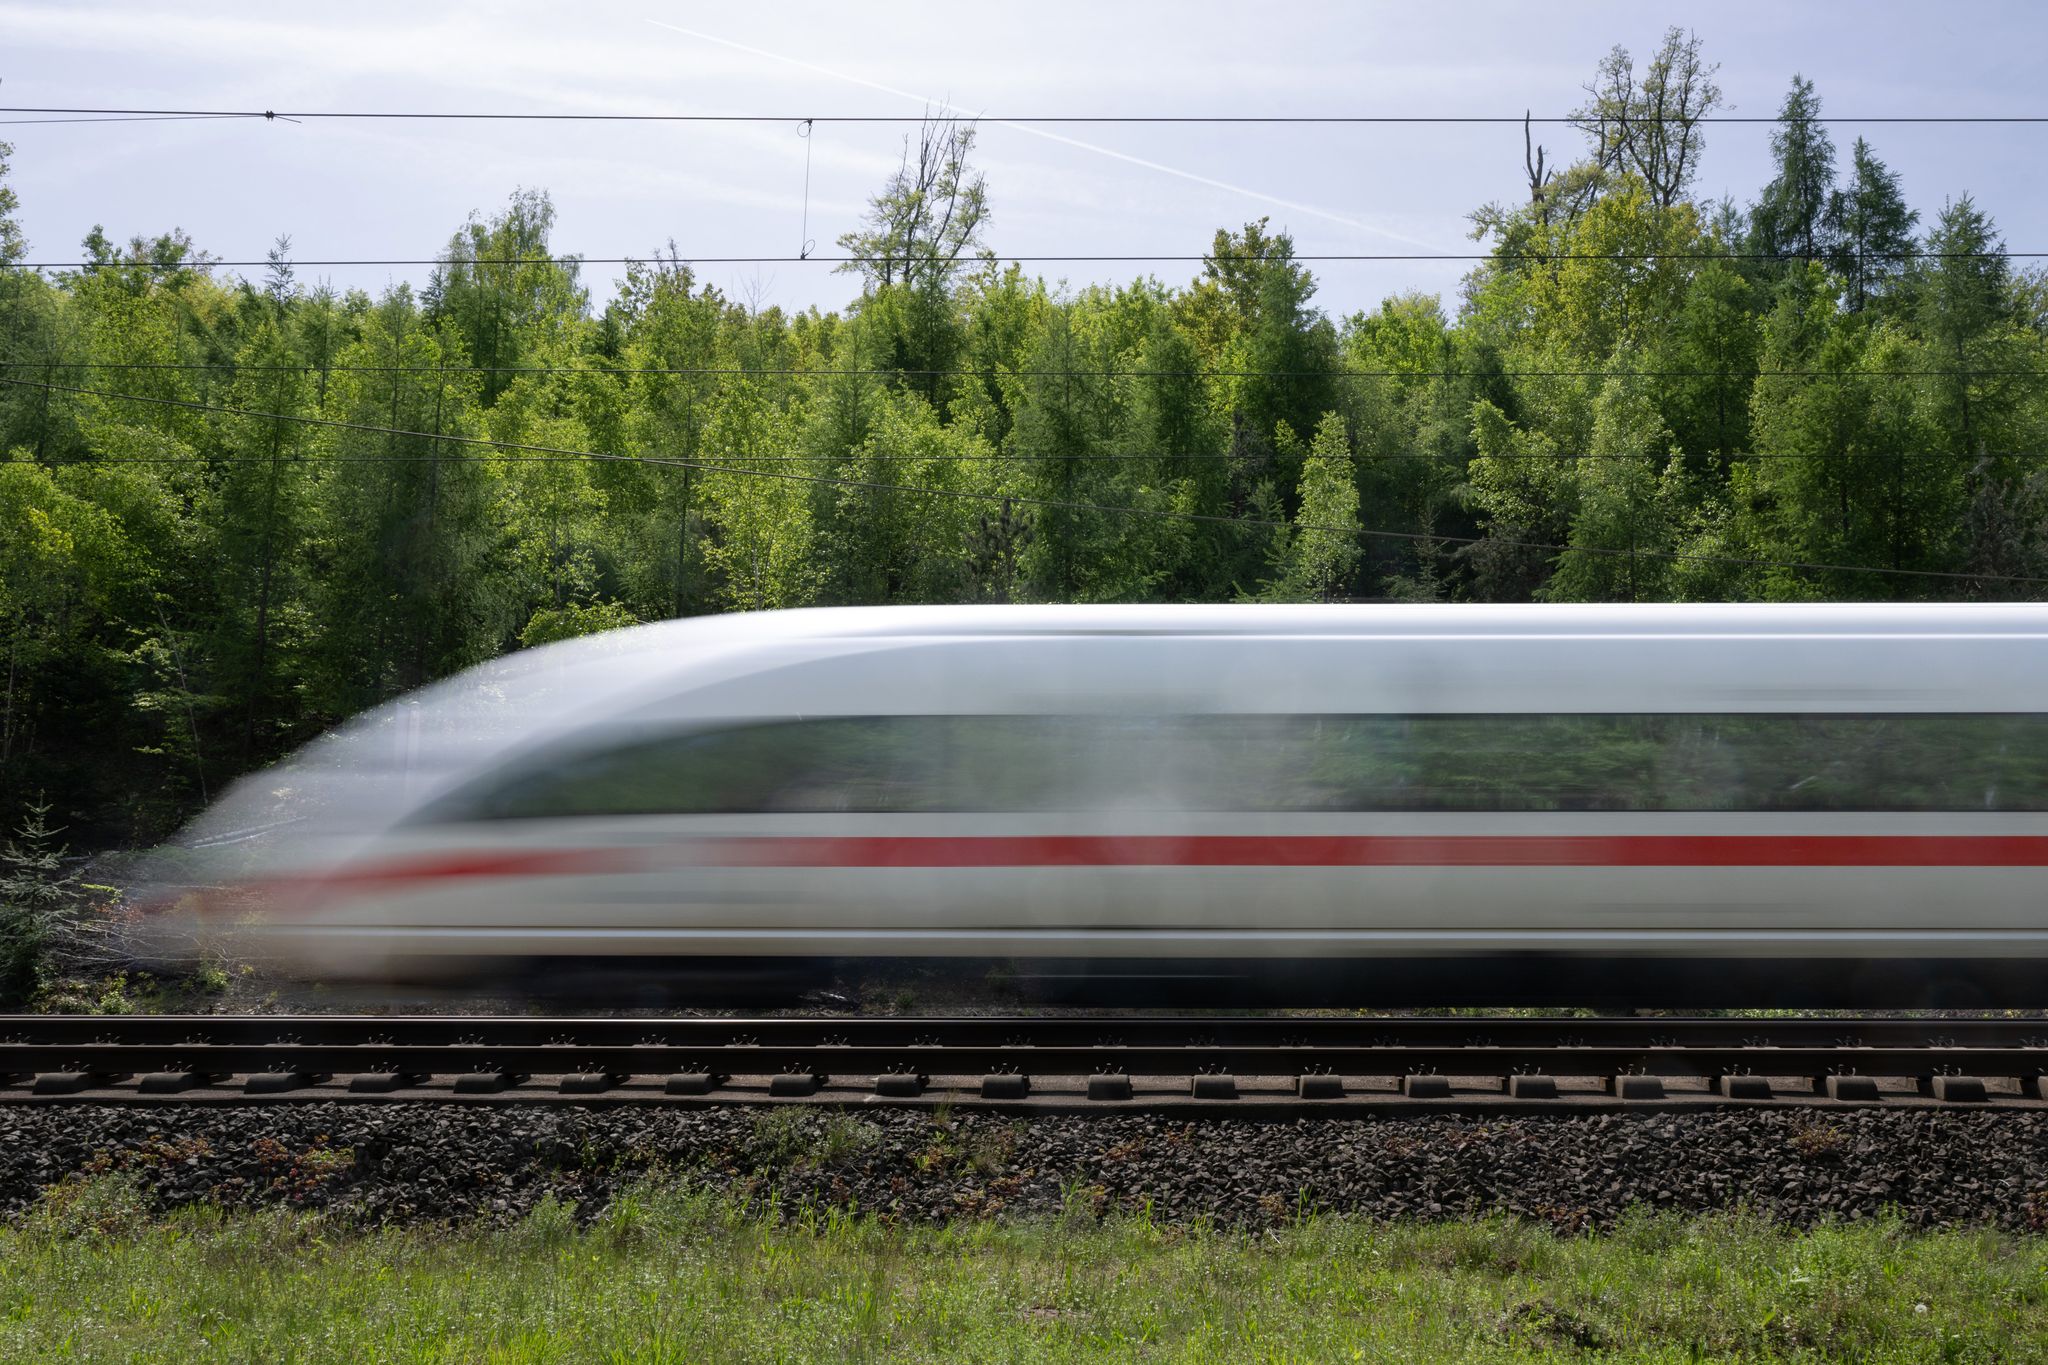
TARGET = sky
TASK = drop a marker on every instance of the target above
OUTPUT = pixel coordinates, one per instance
(392, 188)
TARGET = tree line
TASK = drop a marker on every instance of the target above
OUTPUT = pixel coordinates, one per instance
(236, 510)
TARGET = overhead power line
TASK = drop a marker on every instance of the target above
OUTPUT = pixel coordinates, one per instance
(1070, 258)
(1062, 504)
(792, 372)
(120, 118)
(1134, 457)
(548, 116)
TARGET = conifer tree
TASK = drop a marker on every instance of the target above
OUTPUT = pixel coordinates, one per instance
(1790, 218)
(1871, 229)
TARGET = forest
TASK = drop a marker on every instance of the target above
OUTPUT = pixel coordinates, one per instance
(235, 510)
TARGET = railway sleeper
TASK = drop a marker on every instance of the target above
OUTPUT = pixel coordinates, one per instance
(589, 1082)
(1005, 1085)
(1109, 1086)
(1853, 1089)
(72, 1082)
(488, 1082)
(175, 1082)
(692, 1083)
(281, 1082)
(900, 1085)
(1956, 1089)
(384, 1082)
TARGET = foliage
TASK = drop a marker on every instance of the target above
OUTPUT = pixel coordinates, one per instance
(667, 1272)
(234, 512)
(38, 902)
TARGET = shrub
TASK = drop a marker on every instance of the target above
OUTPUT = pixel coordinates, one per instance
(38, 902)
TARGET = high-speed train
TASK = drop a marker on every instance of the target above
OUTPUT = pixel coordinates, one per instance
(1647, 805)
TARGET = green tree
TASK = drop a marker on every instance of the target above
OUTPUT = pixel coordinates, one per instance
(406, 558)
(1650, 129)
(1318, 559)
(500, 289)
(38, 902)
(256, 516)
(1871, 229)
(1790, 218)
(1962, 297)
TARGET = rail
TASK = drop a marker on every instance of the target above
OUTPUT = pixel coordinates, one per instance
(1095, 1062)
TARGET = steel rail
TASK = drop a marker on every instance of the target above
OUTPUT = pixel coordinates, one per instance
(953, 1060)
(1034, 1030)
(1002, 1059)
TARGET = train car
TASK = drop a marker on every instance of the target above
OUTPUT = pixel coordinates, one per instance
(1203, 805)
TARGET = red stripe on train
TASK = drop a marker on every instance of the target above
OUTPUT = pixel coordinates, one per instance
(1237, 850)
(1224, 850)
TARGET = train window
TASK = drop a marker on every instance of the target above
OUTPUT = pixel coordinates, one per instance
(934, 764)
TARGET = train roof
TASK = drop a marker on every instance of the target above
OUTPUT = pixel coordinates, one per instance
(1705, 618)
(1870, 657)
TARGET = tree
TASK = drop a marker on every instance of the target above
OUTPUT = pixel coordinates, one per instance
(1620, 537)
(1871, 228)
(917, 231)
(671, 343)
(1317, 560)
(1962, 292)
(503, 292)
(1791, 216)
(1251, 314)
(1649, 129)
(408, 555)
(257, 515)
(13, 245)
(930, 214)
(38, 902)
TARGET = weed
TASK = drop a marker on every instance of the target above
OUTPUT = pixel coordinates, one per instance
(109, 1204)
(1542, 1323)
(785, 1137)
(675, 1271)
(1816, 1140)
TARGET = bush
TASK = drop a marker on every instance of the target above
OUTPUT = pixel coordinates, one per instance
(550, 624)
(38, 902)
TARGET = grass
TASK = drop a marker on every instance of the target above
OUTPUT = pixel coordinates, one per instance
(671, 1274)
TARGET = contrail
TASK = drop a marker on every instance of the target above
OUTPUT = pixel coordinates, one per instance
(1050, 136)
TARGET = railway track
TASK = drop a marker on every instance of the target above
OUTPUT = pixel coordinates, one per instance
(1228, 1064)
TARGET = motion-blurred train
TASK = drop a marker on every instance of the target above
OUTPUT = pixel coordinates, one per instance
(1396, 805)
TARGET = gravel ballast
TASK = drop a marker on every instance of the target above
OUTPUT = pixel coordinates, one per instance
(430, 1162)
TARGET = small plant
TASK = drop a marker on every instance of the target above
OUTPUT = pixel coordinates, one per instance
(112, 994)
(38, 902)
(778, 1138)
(990, 1150)
(1542, 1323)
(96, 1204)
(1816, 1140)
(842, 1136)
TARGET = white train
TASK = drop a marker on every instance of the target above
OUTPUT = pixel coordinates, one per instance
(1661, 805)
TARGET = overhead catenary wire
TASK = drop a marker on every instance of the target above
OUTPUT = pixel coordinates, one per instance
(1024, 500)
(121, 118)
(1066, 258)
(1140, 457)
(797, 372)
(1284, 120)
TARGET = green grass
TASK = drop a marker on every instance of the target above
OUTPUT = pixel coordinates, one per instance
(667, 1274)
